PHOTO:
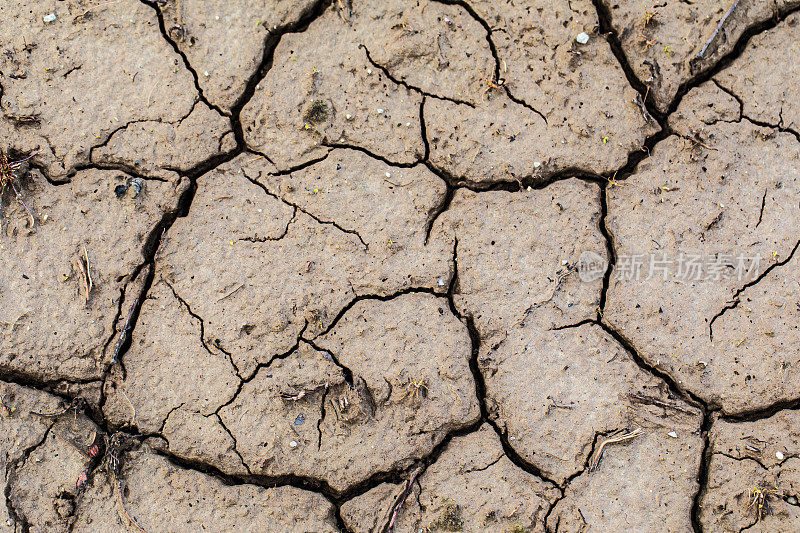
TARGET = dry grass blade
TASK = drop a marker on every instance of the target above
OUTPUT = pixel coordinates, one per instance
(613, 439)
(86, 276)
(127, 514)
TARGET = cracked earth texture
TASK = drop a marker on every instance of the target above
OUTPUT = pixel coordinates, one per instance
(321, 265)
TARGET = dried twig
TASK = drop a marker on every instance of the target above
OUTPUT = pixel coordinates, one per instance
(77, 404)
(615, 438)
(104, 4)
(234, 291)
(295, 396)
(711, 39)
(696, 142)
(641, 398)
(401, 498)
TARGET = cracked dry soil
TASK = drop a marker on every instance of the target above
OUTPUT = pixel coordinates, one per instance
(320, 265)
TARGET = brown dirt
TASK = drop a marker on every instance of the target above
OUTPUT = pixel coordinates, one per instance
(365, 266)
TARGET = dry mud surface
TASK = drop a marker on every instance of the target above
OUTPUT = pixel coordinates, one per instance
(448, 265)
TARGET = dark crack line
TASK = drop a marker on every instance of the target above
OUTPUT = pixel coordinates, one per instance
(777, 127)
(273, 239)
(378, 297)
(52, 386)
(731, 94)
(271, 42)
(568, 481)
(407, 85)
(480, 382)
(532, 181)
(703, 471)
(346, 371)
(423, 126)
(166, 419)
(235, 442)
(130, 171)
(247, 379)
(763, 413)
(735, 301)
(740, 459)
(297, 168)
(728, 59)
(606, 28)
(201, 322)
(610, 250)
(495, 55)
(11, 475)
(255, 181)
(677, 390)
(125, 126)
(345, 146)
(321, 417)
(165, 34)
(761, 212)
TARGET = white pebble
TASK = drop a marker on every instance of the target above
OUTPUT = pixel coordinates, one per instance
(388, 174)
(673, 434)
(369, 71)
(536, 164)
(582, 38)
(293, 444)
(408, 124)
(205, 73)
(440, 282)
(380, 111)
(348, 116)
(779, 455)
(49, 18)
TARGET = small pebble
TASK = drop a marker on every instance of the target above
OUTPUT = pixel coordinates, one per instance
(205, 73)
(299, 420)
(673, 434)
(388, 174)
(293, 444)
(779, 455)
(791, 500)
(348, 116)
(408, 124)
(536, 164)
(582, 38)
(49, 18)
(380, 111)
(369, 71)
(440, 282)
